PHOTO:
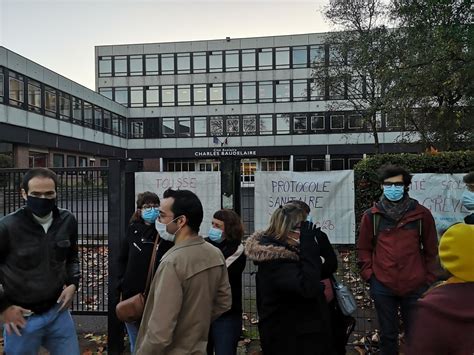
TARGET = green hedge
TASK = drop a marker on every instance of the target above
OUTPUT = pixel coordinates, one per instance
(367, 187)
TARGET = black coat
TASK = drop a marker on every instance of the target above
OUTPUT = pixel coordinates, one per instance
(135, 256)
(469, 219)
(293, 314)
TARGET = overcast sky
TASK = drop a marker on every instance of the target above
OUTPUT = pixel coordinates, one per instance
(61, 35)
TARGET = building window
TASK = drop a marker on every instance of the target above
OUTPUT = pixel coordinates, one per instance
(337, 121)
(107, 92)
(266, 124)
(282, 58)
(200, 94)
(64, 106)
(300, 164)
(167, 64)
(152, 94)
(76, 110)
(209, 165)
(58, 160)
(71, 161)
(352, 162)
(104, 162)
(275, 164)
(215, 94)
(200, 126)
(247, 170)
(105, 66)
(184, 63)
(337, 164)
(355, 87)
(184, 95)
(300, 90)
(34, 96)
(215, 61)
(216, 126)
(2, 94)
(249, 125)
(37, 159)
(121, 96)
(300, 124)
(232, 125)
(265, 58)
(168, 128)
(355, 121)
(136, 96)
(317, 123)
(317, 90)
(300, 57)
(199, 62)
(184, 165)
(136, 129)
(232, 93)
(282, 90)
(336, 89)
(248, 59)
(167, 95)
(184, 126)
(151, 64)
(88, 114)
(265, 91)
(136, 65)
(82, 162)
(98, 117)
(317, 55)
(120, 66)
(106, 121)
(50, 101)
(318, 165)
(232, 60)
(16, 90)
(283, 123)
(249, 93)
(335, 55)
(115, 124)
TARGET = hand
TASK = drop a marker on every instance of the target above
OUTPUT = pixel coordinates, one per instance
(307, 231)
(66, 297)
(13, 319)
(324, 245)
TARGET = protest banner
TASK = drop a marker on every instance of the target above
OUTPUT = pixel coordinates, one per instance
(329, 194)
(206, 185)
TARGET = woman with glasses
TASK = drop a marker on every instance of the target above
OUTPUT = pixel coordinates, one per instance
(293, 314)
(136, 252)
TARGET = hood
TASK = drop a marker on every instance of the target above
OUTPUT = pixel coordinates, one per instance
(451, 301)
(261, 248)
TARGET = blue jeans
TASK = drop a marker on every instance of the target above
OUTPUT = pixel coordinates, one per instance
(386, 306)
(224, 335)
(132, 330)
(53, 330)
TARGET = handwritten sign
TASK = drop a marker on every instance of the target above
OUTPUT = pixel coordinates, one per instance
(329, 194)
(206, 185)
(441, 194)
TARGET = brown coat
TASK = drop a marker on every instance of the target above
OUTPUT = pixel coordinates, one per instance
(190, 290)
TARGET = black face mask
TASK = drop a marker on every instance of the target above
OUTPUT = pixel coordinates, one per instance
(40, 206)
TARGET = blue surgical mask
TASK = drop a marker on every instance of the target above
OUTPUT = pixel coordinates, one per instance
(150, 214)
(215, 234)
(468, 200)
(163, 232)
(394, 193)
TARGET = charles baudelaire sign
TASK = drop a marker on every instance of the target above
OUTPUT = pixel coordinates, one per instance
(224, 152)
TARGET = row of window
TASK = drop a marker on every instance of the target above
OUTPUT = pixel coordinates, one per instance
(25, 93)
(235, 93)
(247, 125)
(219, 61)
(40, 159)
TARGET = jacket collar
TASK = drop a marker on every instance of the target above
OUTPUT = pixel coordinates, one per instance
(261, 248)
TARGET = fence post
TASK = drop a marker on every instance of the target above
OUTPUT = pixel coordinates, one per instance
(121, 205)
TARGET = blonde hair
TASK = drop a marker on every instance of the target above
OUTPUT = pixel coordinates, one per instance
(283, 220)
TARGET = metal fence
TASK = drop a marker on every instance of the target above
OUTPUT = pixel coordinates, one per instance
(83, 191)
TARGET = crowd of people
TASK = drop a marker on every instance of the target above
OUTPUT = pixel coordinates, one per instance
(193, 285)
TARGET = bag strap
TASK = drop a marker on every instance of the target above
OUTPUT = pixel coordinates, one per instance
(234, 256)
(151, 266)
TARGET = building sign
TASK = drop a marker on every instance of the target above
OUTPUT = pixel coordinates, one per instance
(224, 152)
(329, 194)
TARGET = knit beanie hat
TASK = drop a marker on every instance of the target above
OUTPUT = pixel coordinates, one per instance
(456, 251)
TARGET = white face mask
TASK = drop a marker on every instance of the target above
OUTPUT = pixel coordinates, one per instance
(162, 231)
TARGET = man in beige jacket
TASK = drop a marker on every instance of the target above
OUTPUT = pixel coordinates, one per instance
(190, 288)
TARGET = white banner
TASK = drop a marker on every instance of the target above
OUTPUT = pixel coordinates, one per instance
(329, 194)
(441, 194)
(206, 185)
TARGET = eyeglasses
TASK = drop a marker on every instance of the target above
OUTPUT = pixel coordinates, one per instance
(146, 207)
(388, 183)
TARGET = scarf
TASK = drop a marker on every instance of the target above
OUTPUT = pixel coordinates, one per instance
(396, 210)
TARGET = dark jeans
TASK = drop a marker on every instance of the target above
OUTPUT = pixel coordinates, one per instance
(224, 335)
(386, 305)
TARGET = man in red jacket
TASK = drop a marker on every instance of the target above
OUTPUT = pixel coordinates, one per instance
(398, 251)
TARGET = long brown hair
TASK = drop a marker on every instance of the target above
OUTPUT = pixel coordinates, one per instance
(233, 227)
(283, 220)
(142, 199)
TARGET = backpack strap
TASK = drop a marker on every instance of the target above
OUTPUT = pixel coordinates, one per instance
(375, 228)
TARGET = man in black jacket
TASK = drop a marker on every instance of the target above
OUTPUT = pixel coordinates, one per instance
(39, 270)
